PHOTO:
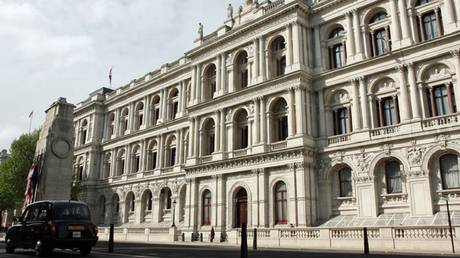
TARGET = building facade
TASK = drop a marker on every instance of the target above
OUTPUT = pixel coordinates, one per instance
(294, 115)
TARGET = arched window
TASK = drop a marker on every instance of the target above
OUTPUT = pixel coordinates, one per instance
(139, 115)
(165, 198)
(210, 82)
(206, 206)
(84, 132)
(130, 207)
(279, 118)
(280, 203)
(81, 169)
(173, 104)
(242, 130)
(346, 189)
(136, 159)
(393, 176)
(337, 52)
(429, 21)
(152, 156)
(124, 121)
(380, 37)
(171, 152)
(241, 207)
(209, 138)
(155, 110)
(278, 56)
(242, 70)
(148, 200)
(121, 163)
(342, 120)
(450, 174)
(111, 125)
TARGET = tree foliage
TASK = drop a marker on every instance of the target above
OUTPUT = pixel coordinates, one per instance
(14, 171)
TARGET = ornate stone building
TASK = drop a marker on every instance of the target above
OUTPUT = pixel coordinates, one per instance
(304, 119)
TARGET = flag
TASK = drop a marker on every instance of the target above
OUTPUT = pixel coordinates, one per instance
(31, 114)
(110, 76)
(32, 179)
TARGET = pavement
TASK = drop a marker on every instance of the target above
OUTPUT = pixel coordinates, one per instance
(199, 250)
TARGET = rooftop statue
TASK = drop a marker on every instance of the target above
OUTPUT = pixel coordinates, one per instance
(200, 30)
(230, 11)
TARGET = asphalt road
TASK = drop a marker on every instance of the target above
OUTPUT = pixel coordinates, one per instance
(199, 251)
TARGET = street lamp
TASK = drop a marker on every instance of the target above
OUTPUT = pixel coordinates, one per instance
(174, 214)
(450, 222)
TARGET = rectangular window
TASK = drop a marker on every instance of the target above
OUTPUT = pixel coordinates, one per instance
(429, 26)
(212, 140)
(450, 173)
(345, 182)
(175, 108)
(172, 160)
(393, 177)
(283, 128)
(244, 137)
(137, 163)
(281, 66)
(441, 100)
(157, 116)
(342, 121)
(389, 112)
(337, 52)
(154, 160)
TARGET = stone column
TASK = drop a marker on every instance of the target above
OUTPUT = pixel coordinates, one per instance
(350, 37)
(113, 161)
(300, 111)
(303, 186)
(308, 110)
(188, 203)
(217, 132)
(223, 129)
(131, 118)
(291, 113)
(289, 40)
(364, 104)
(221, 201)
(197, 142)
(198, 84)
(163, 103)
(256, 66)
(357, 33)
(179, 145)
(456, 83)
(193, 86)
(223, 78)
(457, 8)
(355, 106)
(322, 121)
(218, 75)
(263, 61)
(404, 107)
(161, 152)
(263, 121)
(448, 13)
(296, 45)
(414, 94)
(365, 196)
(318, 58)
(193, 203)
(309, 49)
(395, 26)
(256, 121)
(405, 29)
(191, 141)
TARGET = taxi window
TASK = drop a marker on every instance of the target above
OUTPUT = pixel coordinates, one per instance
(70, 211)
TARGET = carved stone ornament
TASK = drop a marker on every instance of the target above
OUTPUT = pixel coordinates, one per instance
(323, 164)
(442, 140)
(338, 157)
(362, 161)
(386, 148)
(414, 154)
(61, 147)
(416, 173)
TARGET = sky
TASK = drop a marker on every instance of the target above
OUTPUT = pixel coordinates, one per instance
(65, 48)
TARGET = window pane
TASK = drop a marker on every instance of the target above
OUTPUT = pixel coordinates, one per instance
(393, 177)
(449, 171)
(345, 182)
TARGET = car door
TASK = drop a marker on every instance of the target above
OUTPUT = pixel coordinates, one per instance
(36, 225)
(27, 236)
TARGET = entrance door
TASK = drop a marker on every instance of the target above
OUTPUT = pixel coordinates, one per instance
(241, 208)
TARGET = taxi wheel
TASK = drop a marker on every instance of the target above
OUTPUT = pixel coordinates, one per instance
(85, 251)
(41, 249)
(9, 248)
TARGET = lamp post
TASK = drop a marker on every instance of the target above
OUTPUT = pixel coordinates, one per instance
(450, 223)
(174, 214)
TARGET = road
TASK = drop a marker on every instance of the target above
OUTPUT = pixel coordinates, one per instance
(200, 251)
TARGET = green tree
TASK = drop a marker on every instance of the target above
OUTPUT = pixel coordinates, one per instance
(14, 171)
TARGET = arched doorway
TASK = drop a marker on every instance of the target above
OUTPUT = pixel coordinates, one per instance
(241, 207)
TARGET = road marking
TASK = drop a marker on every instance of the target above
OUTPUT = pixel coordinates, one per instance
(124, 255)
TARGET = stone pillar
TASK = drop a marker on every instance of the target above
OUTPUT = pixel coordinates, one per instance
(218, 75)
(322, 121)
(456, 83)
(179, 145)
(221, 201)
(404, 106)
(137, 210)
(263, 61)
(291, 113)
(318, 58)
(191, 141)
(448, 16)
(194, 203)
(295, 27)
(364, 104)
(303, 184)
(193, 86)
(350, 37)
(128, 159)
(156, 207)
(263, 121)
(395, 26)
(256, 137)
(197, 138)
(131, 118)
(418, 185)
(223, 78)
(161, 152)
(223, 129)
(414, 94)
(355, 106)
(308, 110)
(300, 111)
(163, 103)
(357, 33)
(309, 49)
(366, 197)
(405, 29)
(217, 132)
(199, 87)
(289, 55)
(457, 8)
(256, 66)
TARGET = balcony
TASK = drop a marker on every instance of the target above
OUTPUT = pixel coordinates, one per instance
(338, 139)
(385, 131)
(240, 153)
(278, 145)
(440, 121)
(205, 159)
(273, 6)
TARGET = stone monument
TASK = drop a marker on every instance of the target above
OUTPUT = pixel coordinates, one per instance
(55, 152)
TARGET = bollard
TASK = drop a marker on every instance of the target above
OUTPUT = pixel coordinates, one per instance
(201, 237)
(183, 237)
(366, 242)
(111, 239)
(254, 240)
(244, 241)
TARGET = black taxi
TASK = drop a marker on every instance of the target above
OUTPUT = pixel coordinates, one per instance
(47, 225)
